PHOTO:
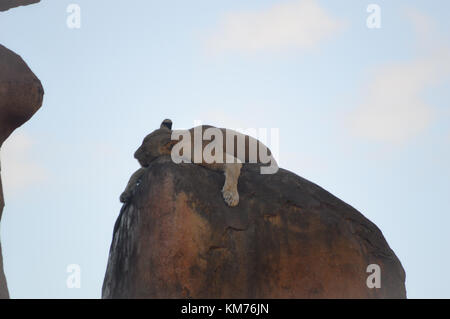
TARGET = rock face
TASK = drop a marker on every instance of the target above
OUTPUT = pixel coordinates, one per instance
(3, 287)
(8, 4)
(287, 238)
(21, 95)
(21, 92)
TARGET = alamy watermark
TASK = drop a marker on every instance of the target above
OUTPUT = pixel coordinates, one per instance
(374, 279)
(214, 145)
(73, 20)
(374, 19)
(74, 278)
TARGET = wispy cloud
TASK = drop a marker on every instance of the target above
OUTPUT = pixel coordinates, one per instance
(424, 29)
(301, 24)
(19, 169)
(393, 108)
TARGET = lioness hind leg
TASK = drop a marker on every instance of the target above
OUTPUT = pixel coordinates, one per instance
(127, 194)
(229, 190)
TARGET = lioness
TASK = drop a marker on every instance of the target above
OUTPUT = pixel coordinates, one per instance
(223, 153)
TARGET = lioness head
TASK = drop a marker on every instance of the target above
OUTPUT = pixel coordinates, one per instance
(155, 144)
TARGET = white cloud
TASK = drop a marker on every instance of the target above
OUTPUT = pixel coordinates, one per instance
(300, 24)
(393, 107)
(19, 170)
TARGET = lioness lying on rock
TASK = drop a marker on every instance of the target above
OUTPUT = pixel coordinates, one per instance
(226, 153)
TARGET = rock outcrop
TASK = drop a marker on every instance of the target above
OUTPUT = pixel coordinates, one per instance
(287, 238)
(21, 95)
(3, 286)
(21, 92)
(8, 4)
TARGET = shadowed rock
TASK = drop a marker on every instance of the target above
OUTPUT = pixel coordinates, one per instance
(21, 95)
(8, 4)
(3, 287)
(287, 238)
(21, 92)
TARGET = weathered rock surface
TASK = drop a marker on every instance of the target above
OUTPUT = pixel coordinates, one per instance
(287, 238)
(21, 92)
(3, 287)
(21, 95)
(8, 4)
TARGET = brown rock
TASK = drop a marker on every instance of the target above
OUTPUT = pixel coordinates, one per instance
(3, 287)
(21, 95)
(287, 238)
(21, 92)
(8, 4)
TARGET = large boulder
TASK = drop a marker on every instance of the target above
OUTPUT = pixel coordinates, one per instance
(21, 95)
(21, 92)
(287, 238)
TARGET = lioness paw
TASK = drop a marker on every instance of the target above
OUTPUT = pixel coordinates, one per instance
(231, 198)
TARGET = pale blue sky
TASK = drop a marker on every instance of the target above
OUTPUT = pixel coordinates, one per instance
(362, 112)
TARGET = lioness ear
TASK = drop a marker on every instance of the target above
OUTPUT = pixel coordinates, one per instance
(167, 123)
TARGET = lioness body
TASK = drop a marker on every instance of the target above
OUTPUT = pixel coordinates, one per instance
(225, 152)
